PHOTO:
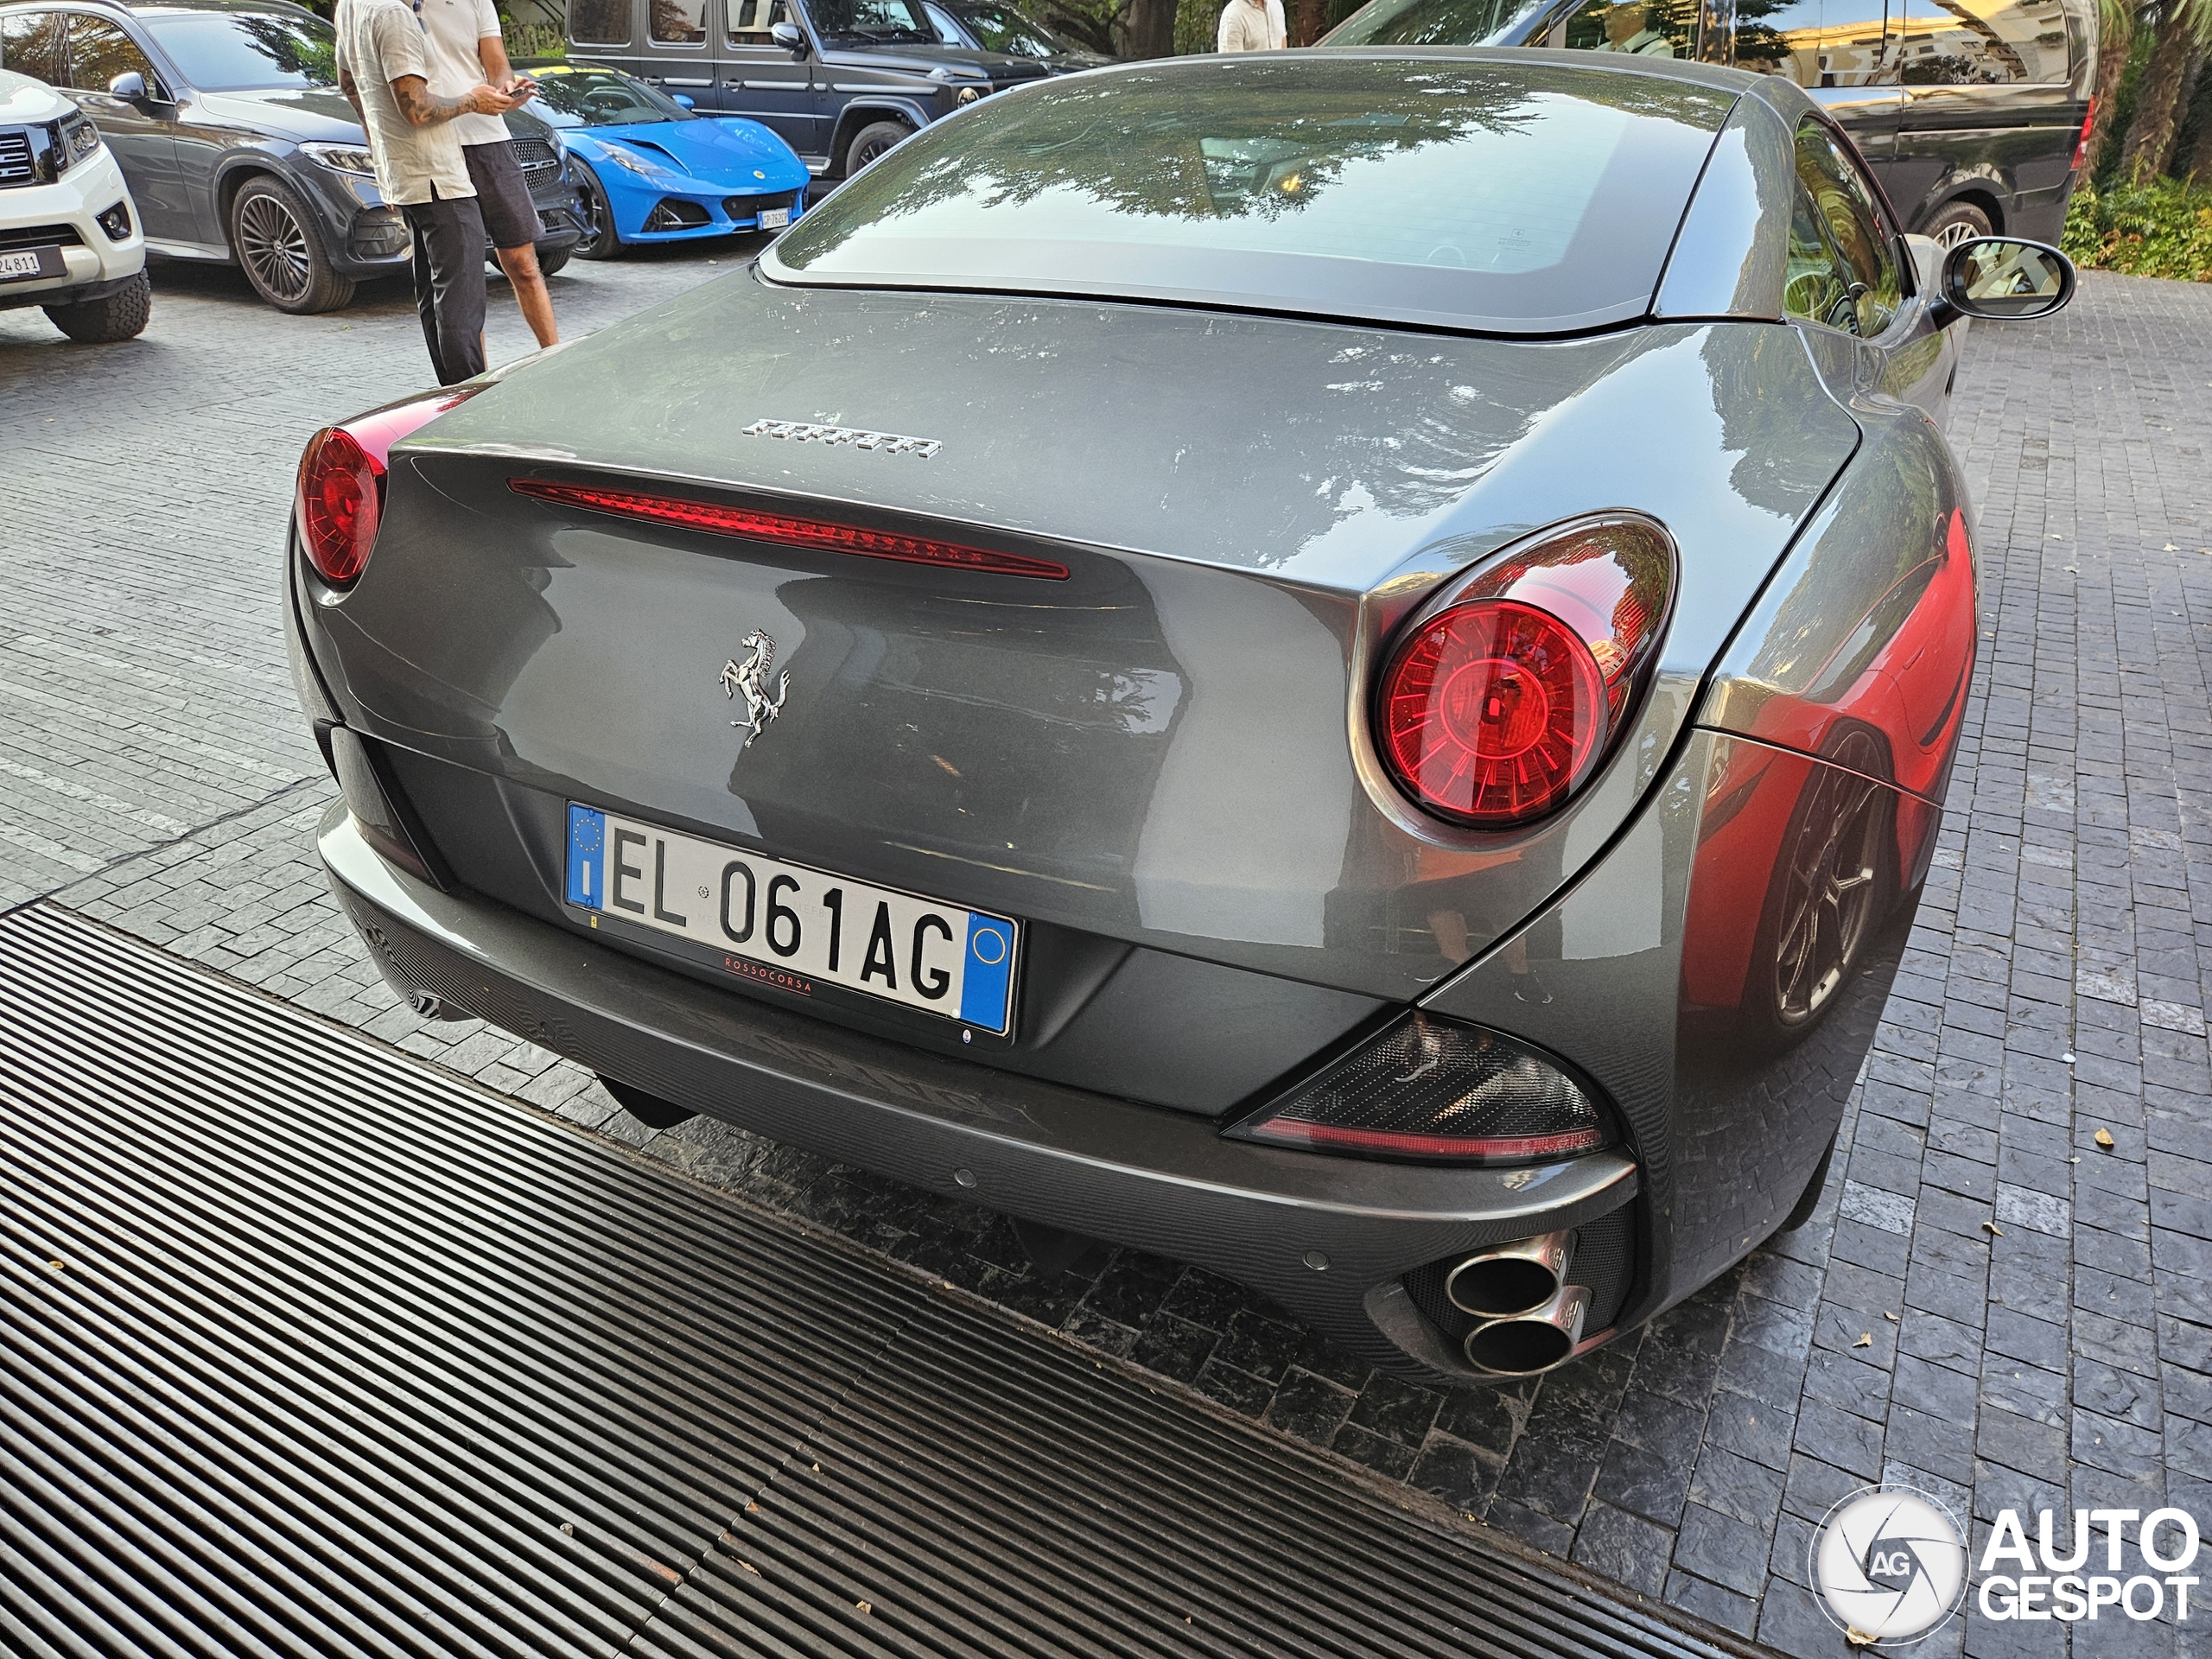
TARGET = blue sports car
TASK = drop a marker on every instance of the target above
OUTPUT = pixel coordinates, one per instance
(652, 171)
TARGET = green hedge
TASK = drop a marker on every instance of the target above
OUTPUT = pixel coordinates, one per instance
(2159, 230)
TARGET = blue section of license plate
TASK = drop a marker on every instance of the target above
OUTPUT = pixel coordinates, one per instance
(792, 925)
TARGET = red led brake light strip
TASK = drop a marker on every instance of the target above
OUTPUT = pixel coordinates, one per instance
(716, 519)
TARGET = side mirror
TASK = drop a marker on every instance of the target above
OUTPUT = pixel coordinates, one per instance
(2003, 280)
(683, 100)
(130, 86)
(790, 36)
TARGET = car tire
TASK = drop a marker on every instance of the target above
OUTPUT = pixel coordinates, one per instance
(871, 141)
(1833, 887)
(599, 241)
(274, 237)
(120, 315)
(550, 260)
(1955, 222)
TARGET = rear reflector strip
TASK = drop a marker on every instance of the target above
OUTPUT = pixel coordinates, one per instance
(1328, 1137)
(717, 519)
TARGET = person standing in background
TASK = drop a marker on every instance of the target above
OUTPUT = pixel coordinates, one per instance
(466, 47)
(384, 67)
(1251, 26)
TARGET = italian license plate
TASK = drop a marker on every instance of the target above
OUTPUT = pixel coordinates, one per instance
(775, 218)
(31, 261)
(789, 925)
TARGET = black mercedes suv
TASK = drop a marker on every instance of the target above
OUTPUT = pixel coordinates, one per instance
(842, 80)
(226, 118)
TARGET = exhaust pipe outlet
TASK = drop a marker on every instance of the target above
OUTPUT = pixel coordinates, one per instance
(1512, 1279)
(1535, 1341)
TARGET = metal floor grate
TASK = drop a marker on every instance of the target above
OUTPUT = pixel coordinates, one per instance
(344, 1355)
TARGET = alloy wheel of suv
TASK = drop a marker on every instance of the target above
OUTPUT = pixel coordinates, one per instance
(280, 252)
(871, 142)
(1959, 221)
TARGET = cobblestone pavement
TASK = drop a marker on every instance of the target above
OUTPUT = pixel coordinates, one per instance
(1988, 1303)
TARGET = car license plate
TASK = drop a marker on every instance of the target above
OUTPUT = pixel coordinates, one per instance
(787, 925)
(31, 261)
(775, 218)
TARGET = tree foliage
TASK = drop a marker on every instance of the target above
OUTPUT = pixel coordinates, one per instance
(2163, 229)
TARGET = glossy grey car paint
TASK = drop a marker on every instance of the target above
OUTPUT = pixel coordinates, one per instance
(1163, 764)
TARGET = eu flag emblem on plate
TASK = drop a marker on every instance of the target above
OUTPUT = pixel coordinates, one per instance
(587, 866)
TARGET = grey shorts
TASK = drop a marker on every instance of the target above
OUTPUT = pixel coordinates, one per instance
(509, 218)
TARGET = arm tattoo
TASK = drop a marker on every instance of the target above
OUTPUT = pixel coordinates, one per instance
(421, 109)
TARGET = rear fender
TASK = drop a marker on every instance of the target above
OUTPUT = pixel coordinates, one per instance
(1664, 975)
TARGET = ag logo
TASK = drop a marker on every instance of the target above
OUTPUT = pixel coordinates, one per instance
(1890, 1564)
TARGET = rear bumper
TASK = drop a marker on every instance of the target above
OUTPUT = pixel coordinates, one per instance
(1155, 1179)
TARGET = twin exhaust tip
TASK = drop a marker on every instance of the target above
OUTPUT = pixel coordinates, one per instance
(1529, 1316)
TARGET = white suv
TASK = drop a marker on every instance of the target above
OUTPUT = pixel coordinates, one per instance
(69, 235)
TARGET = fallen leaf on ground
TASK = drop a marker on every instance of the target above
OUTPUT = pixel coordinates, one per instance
(1857, 1637)
(1865, 1339)
(1890, 1317)
(863, 1607)
(749, 1568)
(1991, 1227)
(2104, 1139)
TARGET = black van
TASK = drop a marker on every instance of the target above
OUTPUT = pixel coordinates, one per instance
(1974, 114)
(842, 80)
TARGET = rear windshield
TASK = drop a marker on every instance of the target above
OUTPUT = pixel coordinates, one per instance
(1498, 196)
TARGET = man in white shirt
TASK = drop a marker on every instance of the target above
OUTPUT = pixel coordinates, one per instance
(1251, 26)
(466, 47)
(383, 70)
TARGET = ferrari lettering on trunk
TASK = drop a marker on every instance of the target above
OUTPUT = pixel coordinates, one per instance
(797, 922)
(859, 438)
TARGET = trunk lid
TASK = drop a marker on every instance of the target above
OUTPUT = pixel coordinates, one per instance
(1166, 747)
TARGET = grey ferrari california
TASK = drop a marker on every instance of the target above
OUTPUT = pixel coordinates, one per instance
(1342, 667)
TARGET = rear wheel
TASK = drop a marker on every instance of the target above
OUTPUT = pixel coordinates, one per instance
(119, 315)
(599, 241)
(871, 142)
(1956, 222)
(1831, 888)
(274, 236)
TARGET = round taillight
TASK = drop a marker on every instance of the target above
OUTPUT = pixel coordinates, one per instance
(1492, 711)
(340, 499)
